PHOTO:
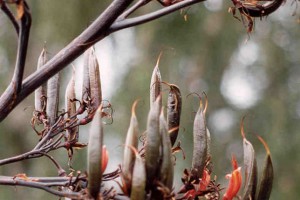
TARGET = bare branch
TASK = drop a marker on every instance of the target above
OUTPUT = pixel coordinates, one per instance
(133, 8)
(95, 32)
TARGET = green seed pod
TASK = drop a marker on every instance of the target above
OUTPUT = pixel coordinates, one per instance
(52, 98)
(266, 180)
(250, 168)
(70, 103)
(200, 144)
(95, 81)
(174, 112)
(40, 92)
(138, 186)
(94, 157)
(153, 141)
(167, 165)
(155, 84)
(131, 141)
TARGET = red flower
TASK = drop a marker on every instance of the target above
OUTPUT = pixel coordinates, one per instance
(235, 181)
(104, 158)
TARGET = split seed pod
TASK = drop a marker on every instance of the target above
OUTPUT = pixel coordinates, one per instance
(200, 144)
(41, 92)
(94, 157)
(131, 141)
(174, 112)
(153, 141)
(52, 98)
(95, 81)
(266, 180)
(70, 103)
(167, 166)
(155, 84)
(138, 178)
(250, 167)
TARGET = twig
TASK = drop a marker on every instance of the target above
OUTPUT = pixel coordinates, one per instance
(122, 24)
(14, 181)
(133, 8)
(10, 16)
(25, 24)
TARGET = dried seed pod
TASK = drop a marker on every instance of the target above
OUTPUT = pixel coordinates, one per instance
(95, 81)
(250, 167)
(153, 141)
(155, 84)
(41, 92)
(167, 166)
(86, 77)
(138, 179)
(200, 144)
(174, 111)
(208, 141)
(131, 141)
(70, 103)
(52, 98)
(266, 180)
(94, 157)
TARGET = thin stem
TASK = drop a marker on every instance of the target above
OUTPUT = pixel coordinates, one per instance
(10, 16)
(133, 8)
(118, 25)
(14, 181)
(25, 25)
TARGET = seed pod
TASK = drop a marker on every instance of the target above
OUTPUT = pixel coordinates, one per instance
(40, 92)
(153, 141)
(70, 103)
(266, 180)
(208, 141)
(95, 81)
(86, 76)
(94, 157)
(200, 144)
(174, 111)
(250, 167)
(167, 166)
(138, 179)
(131, 141)
(52, 98)
(155, 84)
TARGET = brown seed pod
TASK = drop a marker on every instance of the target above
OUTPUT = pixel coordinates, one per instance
(95, 81)
(86, 77)
(200, 144)
(153, 141)
(266, 180)
(41, 92)
(250, 167)
(70, 103)
(94, 154)
(155, 84)
(167, 165)
(174, 111)
(52, 98)
(131, 141)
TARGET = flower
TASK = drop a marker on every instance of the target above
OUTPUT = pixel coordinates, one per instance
(104, 158)
(235, 181)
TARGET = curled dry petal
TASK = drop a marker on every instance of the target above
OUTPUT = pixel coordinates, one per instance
(235, 181)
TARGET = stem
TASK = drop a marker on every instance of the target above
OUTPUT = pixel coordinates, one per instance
(10, 16)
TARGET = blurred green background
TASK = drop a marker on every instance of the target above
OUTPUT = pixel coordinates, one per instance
(256, 75)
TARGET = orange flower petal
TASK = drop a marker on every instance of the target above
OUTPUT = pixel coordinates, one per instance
(204, 180)
(104, 158)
